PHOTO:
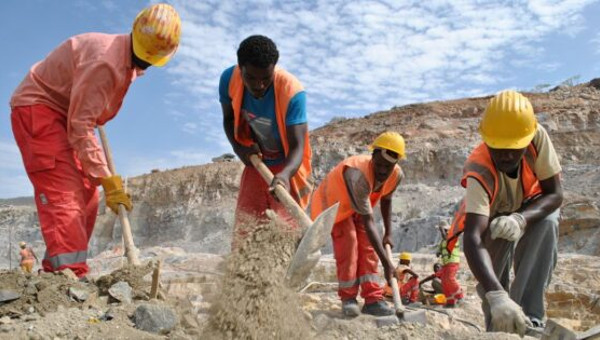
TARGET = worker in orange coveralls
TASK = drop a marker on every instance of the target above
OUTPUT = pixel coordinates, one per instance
(358, 183)
(79, 85)
(408, 280)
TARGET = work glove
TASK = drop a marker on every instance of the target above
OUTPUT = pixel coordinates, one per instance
(509, 227)
(114, 193)
(507, 315)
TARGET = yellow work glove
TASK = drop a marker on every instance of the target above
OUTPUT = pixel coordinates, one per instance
(114, 193)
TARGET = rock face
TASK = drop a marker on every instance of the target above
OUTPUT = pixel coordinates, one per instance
(193, 207)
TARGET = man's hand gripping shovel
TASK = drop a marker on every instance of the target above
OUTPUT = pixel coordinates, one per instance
(130, 250)
(314, 233)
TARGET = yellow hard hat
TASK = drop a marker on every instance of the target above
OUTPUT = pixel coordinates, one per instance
(156, 32)
(440, 299)
(392, 141)
(508, 121)
(405, 256)
(22, 244)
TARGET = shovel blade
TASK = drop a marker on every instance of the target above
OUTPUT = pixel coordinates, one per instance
(309, 250)
(417, 316)
(554, 331)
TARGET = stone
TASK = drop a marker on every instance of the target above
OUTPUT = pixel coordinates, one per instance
(32, 317)
(189, 321)
(68, 273)
(8, 295)
(321, 321)
(79, 294)
(121, 291)
(155, 318)
(5, 320)
(30, 289)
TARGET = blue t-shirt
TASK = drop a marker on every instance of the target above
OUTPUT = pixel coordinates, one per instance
(260, 114)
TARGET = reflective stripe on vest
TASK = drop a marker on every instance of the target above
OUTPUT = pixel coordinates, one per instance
(285, 87)
(333, 188)
(479, 165)
(66, 258)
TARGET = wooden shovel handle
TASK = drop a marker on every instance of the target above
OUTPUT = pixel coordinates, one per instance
(130, 250)
(398, 306)
(282, 194)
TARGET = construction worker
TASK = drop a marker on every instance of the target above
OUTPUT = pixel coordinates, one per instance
(436, 280)
(450, 265)
(79, 85)
(408, 280)
(27, 257)
(510, 213)
(264, 113)
(358, 183)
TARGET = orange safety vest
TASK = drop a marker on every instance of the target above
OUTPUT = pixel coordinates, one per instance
(286, 86)
(479, 165)
(333, 188)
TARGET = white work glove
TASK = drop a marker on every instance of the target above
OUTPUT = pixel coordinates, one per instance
(509, 227)
(507, 315)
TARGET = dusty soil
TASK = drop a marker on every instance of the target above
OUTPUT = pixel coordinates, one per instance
(253, 302)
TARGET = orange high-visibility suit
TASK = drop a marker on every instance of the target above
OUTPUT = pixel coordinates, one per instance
(356, 260)
(79, 85)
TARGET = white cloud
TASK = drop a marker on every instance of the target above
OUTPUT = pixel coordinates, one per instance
(190, 128)
(375, 53)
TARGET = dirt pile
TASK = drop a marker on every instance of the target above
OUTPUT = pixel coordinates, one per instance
(59, 306)
(253, 302)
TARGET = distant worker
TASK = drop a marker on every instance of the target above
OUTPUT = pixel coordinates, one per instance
(27, 257)
(436, 281)
(510, 214)
(78, 86)
(264, 113)
(408, 280)
(450, 266)
(358, 183)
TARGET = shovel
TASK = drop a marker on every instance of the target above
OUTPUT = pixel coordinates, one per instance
(314, 233)
(130, 249)
(554, 331)
(402, 315)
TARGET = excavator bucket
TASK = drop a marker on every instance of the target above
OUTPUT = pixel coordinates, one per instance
(309, 250)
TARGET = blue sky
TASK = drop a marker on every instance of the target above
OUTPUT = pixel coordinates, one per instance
(354, 58)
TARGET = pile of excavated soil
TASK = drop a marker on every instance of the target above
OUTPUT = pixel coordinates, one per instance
(253, 302)
(40, 294)
(47, 308)
(133, 275)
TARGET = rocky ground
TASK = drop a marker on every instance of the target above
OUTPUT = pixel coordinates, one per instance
(184, 217)
(242, 297)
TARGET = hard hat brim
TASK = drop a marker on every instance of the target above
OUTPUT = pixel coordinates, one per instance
(507, 143)
(371, 148)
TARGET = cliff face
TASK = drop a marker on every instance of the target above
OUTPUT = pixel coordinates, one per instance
(193, 207)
